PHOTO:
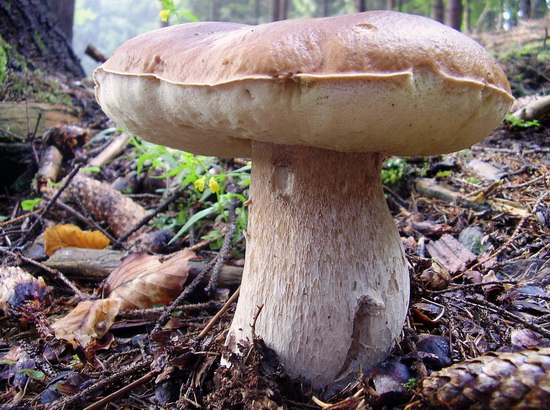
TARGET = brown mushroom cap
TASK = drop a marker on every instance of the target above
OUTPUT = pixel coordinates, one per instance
(378, 81)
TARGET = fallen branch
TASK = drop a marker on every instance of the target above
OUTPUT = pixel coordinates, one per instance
(535, 110)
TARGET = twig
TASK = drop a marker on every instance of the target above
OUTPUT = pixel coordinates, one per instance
(67, 401)
(18, 218)
(217, 316)
(154, 213)
(470, 285)
(507, 244)
(122, 391)
(163, 319)
(478, 300)
(224, 251)
(50, 203)
(116, 146)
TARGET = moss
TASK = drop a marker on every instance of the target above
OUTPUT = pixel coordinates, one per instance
(3, 60)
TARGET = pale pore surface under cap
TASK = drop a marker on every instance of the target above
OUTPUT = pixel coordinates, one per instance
(369, 82)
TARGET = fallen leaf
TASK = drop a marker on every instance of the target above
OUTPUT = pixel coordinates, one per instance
(63, 236)
(87, 321)
(142, 280)
(18, 287)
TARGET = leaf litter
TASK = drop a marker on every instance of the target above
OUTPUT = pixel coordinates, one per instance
(475, 228)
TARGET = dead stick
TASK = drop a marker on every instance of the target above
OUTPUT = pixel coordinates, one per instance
(111, 151)
(507, 244)
(154, 213)
(122, 391)
(217, 316)
(51, 203)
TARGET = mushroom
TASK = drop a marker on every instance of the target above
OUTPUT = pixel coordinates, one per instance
(317, 104)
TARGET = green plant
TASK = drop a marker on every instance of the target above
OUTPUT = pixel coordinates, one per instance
(207, 190)
(169, 9)
(393, 171)
(3, 62)
(30, 204)
(515, 122)
(443, 174)
(410, 384)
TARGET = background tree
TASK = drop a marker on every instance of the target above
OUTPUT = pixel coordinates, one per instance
(454, 14)
(438, 10)
(31, 28)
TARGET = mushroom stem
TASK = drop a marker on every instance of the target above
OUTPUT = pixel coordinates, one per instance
(325, 260)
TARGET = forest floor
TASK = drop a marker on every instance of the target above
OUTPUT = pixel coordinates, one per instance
(474, 224)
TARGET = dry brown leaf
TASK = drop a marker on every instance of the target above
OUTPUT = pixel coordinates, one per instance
(63, 236)
(142, 280)
(87, 321)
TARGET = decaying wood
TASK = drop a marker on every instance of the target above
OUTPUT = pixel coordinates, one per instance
(486, 170)
(94, 53)
(454, 256)
(430, 188)
(50, 163)
(535, 110)
(112, 150)
(21, 117)
(82, 264)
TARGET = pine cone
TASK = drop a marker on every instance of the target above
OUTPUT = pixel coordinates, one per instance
(118, 212)
(493, 381)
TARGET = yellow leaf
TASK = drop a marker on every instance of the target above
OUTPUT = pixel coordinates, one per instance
(63, 236)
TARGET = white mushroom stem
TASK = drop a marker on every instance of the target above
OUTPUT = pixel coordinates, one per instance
(325, 261)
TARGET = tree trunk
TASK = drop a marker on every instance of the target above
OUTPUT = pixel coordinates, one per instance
(326, 8)
(214, 10)
(438, 11)
(64, 10)
(361, 5)
(257, 11)
(539, 9)
(454, 14)
(30, 27)
(525, 9)
(279, 9)
(467, 15)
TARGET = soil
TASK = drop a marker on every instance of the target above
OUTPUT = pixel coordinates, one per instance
(485, 215)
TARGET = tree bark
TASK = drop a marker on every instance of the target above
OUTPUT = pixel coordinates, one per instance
(64, 10)
(326, 8)
(31, 28)
(525, 9)
(214, 10)
(279, 10)
(438, 11)
(454, 14)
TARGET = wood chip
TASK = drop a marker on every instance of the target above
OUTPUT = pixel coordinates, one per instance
(450, 253)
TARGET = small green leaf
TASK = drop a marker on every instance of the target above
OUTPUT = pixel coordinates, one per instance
(91, 169)
(194, 219)
(8, 362)
(30, 204)
(33, 374)
(444, 174)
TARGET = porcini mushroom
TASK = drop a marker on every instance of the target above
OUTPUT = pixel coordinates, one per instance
(317, 104)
